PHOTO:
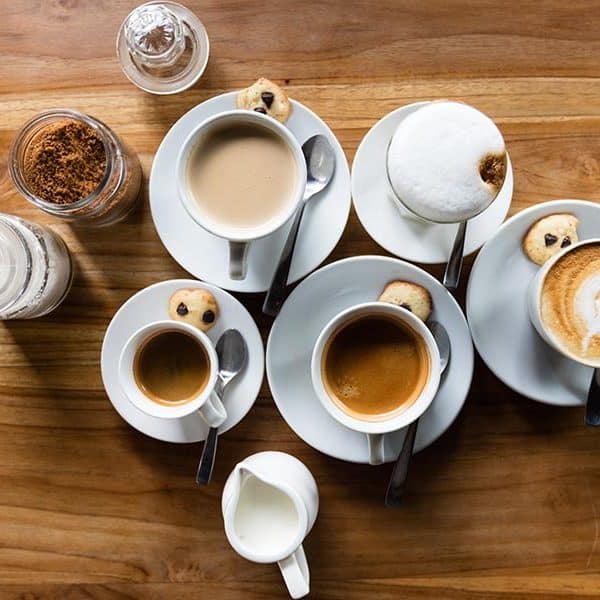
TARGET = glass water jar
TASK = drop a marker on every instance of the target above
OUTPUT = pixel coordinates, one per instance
(35, 269)
(114, 197)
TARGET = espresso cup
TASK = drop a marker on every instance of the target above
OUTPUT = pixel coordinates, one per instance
(205, 400)
(549, 334)
(240, 238)
(377, 425)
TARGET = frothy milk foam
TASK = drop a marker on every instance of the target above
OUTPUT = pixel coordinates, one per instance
(570, 301)
(447, 161)
(587, 305)
(266, 519)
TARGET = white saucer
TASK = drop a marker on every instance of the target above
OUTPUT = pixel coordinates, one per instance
(206, 256)
(399, 234)
(151, 304)
(497, 311)
(310, 306)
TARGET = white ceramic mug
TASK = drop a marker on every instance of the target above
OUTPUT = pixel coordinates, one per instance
(206, 402)
(376, 430)
(534, 299)
(276, 478)
(240, 238)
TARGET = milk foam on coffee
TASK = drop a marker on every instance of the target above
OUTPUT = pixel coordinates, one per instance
(447, 161)
(570, 301)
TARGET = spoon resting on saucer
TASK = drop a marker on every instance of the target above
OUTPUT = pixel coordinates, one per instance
(320, 166)
(397, 484)
(232, 352)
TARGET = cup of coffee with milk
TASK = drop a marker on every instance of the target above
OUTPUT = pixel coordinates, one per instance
(564, 302)
(375, 368)
(446, 162)
(241, 176)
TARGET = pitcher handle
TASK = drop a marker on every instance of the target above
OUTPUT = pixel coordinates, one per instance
(294, 569)
(238, 260)
(376, 451)
(213, 411)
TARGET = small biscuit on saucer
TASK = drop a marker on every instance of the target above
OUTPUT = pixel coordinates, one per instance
(267, 98)
(411, 296)
(550, 235)
(195, 306)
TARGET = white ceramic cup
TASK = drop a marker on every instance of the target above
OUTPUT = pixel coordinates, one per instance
(240, 238)
(534, 301)
(206, 402)
(376, 430)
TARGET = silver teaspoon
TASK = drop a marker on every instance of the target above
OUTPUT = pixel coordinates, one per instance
(397, 484)
(455, 261)
(592, 407)
(320, 166)
(232, 352)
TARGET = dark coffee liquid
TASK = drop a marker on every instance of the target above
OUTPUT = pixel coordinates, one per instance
(171, 367)
(375, 366)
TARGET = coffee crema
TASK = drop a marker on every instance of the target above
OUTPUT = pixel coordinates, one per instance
(570, 301)
(374, 367)
(171, 367)
(242, 175)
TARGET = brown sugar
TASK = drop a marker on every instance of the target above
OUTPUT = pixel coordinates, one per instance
(64, 162)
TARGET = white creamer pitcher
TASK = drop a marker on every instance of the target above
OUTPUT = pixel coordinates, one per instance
(270, 503)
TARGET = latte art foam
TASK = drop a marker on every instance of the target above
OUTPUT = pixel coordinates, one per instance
(570, 303)
(587, 306)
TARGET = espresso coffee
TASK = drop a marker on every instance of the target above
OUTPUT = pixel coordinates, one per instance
(242, 175)
(570, 301)
(171, 368)
(375, 367)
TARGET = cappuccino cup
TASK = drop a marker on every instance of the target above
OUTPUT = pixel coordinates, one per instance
(168, 369)
(563, 301)
(375, 368)
(241, 176)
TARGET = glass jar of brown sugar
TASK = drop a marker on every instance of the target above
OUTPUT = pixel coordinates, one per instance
(73, 166)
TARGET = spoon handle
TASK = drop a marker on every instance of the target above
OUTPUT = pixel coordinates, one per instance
(592, 408)
(276, 293)
(454, 264)
(207, 460)
(397, 484)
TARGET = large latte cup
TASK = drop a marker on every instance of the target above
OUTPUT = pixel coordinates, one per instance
(563, 300)
(240, 178)
(385, 317)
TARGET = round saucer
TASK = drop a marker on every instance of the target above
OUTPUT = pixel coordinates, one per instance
(151, 304)
(206, 256)
(497, 311)
(307, 310)
(398, 233)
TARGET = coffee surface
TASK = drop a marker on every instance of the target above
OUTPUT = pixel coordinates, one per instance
(375, 366)
(570, 301)
(242, 176)
(171, 368)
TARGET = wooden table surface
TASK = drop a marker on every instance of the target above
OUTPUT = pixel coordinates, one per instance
(505, 505)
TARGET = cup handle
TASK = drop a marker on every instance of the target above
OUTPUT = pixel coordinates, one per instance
(294, 569)
(213, 411)
(238, 259)
(376, 454)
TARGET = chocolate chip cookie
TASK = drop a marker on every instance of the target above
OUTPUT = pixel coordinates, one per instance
(195, 306)
(267, 98)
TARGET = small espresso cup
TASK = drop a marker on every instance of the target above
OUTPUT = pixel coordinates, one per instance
(534, 305)
(240, 238)
(376, 429)
(206, 401)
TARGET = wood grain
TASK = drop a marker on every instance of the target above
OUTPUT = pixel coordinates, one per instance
(505, 505)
